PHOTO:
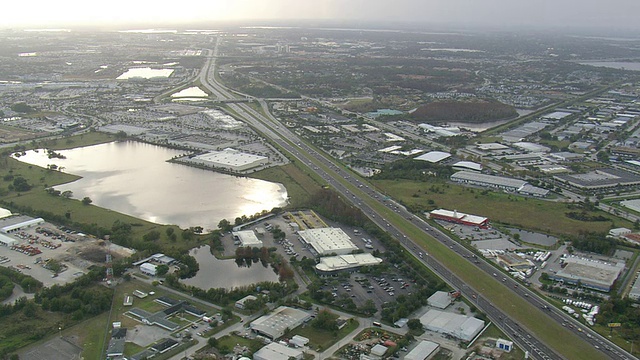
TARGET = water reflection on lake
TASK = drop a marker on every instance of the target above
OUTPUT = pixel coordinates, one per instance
(134, 178)
(215, 273)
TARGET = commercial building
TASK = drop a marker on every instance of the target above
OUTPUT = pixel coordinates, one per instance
(505, 345)
(459, 326)
(600, 179)
(619, 232)
(148, 269)
(498, 182)
(230, 159)
(277, 351)
(634, 294)
(424, 350)
(589, 273)
(327, 241)
(21, 225)
(274, 325)
(160, 318)
(433, 156)
(459, 218)
(513, 262)
(115, 349)
(247, 238)
(440, 300)
(351, 262)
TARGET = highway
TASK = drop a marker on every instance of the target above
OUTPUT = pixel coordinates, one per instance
(362, 195)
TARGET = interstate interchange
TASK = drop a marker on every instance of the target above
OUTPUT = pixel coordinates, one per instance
(363, 195)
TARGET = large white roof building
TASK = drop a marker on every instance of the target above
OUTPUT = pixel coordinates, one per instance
(346, 262)
(274, 325)
(326, 241)
(459, 326)
(230, 159)
(277, 351)
(247, 238)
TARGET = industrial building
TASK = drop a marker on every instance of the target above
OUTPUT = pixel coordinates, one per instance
(422, 351)
(459, 326)
(600, 179)
(327, 241)
(21, 223)
(230, 159)
(274, 325)
(440, 300)
(459, 218)
(513, 262)
(498, 182)
(115, 349)
(247, 238)
(277, 351)
(351, 262)
(160, 318)
(504, 345)
(6, 240)
(433, 156)
(148, 269)
(634, 294)
(589, 273)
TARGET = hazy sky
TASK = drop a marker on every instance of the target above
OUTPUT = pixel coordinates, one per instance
(496, 13)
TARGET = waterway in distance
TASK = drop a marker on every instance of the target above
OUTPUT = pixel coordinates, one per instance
(135, 178)
(215, 273)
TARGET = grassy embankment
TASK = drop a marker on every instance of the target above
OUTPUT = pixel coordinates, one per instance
(527, 213)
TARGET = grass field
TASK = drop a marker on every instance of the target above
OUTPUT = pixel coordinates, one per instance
(300, 186)
(320, 339)
(230, 341)
(528, 213)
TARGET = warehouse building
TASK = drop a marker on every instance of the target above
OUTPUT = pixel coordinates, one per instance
(440, 300)
(6, 240)
(21, 223)
(459, 218)
(459, 326)
(433, 156)
(327, 241)
(498, 182)
(277, 351)
(240, 304)
(422, 351)
(148, 269)
(247, 238)
(230, 159)
(275, 324)
(589, 273)
(350, 262)
(600, 179)
(634, 294)
(4, 213)
(513, 262)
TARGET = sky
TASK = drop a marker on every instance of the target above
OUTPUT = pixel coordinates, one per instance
(601, 14)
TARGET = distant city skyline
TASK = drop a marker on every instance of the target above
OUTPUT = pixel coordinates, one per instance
(579, 14)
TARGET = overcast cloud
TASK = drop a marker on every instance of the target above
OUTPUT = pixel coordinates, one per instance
(495, 13)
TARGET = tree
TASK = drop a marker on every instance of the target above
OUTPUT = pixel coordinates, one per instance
(212, 342)
(414, 324)
(67, 194)
(162, 270)
(86, 200)
(21, 184)
(224, 225)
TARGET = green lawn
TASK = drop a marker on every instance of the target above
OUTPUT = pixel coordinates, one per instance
(320, 339)
(227, 342)
(508, 209)
(300, 185)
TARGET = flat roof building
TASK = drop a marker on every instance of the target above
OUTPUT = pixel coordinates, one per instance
(498, 182)
(600, 179)
(634, 294)
(433, 156)
(459, 326)
(274, 324)
(422, 351)
(148, 269)
(349, 262)
(440, 300)
(459, 218)
(589, 273)
(277, 351)
(327, 241)
(6, 240)
(230, 159)
(21, 225)
(247, 238)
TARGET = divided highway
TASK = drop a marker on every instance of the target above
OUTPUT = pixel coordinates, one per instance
(366, 198)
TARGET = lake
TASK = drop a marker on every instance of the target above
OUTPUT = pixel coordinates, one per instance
(134, 178)
(215, 273)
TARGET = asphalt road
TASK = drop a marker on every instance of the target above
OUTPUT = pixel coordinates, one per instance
(271, 128)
